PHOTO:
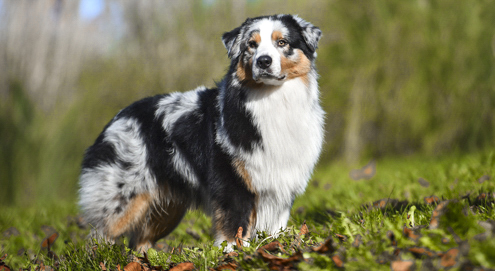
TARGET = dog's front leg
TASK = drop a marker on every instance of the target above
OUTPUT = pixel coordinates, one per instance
(229, 214)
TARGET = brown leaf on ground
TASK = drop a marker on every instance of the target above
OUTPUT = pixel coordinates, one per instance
(227, 266)
(48, 241)
(449, 258)
(358, 240)
(409, 233)
(367, 172)
(484, 178)
(423, 182)
(273, 246)
(12, 231)
(238, 238)
(341, 237)
(102, 265)
(387, 203)
(431, 200)
(183, 267)
(437, 212)
(420, 252)
(134, 266)
(118, 267)
(304, 229)
(326, 247)
(3, 266)
(338, 261)
(278, 263)
(400, 265)
(391, 237)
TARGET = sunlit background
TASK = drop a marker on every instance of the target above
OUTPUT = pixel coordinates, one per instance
(397, 78)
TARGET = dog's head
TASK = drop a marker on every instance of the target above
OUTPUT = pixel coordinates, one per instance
(272, 49)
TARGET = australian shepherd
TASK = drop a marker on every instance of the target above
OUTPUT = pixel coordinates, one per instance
(241, 151)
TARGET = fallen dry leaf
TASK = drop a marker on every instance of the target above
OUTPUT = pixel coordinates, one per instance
(304, 229)
(102, 265)
(183, 267)
(409, 233)
(421, 251)
(326, 247)
(273, 246)
(449, 259)
(437, 212)
(342, 238)
(134, 266)
(484, 178)
(431, 200)
(278, 263)
(358, 240)
(3, 266)
(227, 266)
(391, 237)
(367, 172)
(400, 265)
(48, 241)
(238, 238)
(423, 182)
(337, 260)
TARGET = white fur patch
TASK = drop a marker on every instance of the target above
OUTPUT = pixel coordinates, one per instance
(267, 48)
(99, 189)
(290, 120)
(173, 107)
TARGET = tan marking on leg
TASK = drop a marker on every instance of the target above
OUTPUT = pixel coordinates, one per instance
(219, 225)
(252, 224)
(134, 212)
(162, 218)
(240, 167)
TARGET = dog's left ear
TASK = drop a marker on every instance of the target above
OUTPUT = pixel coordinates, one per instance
(311, 33)
(231, 41)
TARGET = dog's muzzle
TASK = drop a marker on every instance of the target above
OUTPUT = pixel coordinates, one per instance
(264, 71)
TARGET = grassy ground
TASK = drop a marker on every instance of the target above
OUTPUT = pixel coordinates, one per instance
(374, 224)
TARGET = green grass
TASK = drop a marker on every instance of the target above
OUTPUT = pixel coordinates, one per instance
(333, 204)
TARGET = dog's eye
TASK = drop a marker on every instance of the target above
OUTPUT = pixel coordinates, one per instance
(281, 43)
(252, 44)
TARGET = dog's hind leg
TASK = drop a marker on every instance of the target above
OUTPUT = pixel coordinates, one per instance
(161, 219)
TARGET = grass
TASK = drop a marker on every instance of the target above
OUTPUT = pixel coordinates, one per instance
(338, 213)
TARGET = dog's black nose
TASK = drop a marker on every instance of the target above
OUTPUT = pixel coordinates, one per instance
(264, 62)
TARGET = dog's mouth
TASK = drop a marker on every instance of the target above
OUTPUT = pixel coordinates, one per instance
(269, 76)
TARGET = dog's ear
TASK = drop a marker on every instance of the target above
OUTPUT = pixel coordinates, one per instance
(231, 41)
(311, 33)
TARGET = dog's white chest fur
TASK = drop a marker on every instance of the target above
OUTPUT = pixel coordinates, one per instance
(290, 121)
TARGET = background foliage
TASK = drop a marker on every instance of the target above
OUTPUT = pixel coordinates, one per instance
(397, 77)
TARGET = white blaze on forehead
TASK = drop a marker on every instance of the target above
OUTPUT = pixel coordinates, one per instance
(267, 46)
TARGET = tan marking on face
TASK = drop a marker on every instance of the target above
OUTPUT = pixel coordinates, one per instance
(277, 35)
(256, 37)
(134, 212)
(245, 74)
(240, 167)
(296, 68)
